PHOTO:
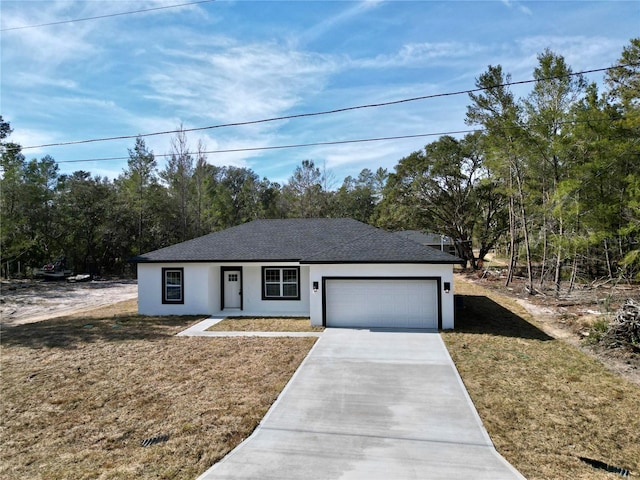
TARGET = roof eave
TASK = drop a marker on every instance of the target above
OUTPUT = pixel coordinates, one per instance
(401, 262)
(217, 260)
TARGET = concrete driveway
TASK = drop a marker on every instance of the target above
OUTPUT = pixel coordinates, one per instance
(370, 405)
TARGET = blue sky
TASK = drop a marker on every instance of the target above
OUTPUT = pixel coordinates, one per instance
(235, 61)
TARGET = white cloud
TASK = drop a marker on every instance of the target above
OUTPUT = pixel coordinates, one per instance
(580, 52)
(518, 5)
(325, 26)
(424, 54)
(242, 83)
(29, 136)
(48, 48)
(45, 51)
(36, 80)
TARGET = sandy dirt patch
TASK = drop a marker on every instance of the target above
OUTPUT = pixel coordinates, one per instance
(547, 317)
(33, 301)
(569, 317)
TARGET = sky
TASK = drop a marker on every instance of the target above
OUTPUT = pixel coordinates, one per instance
(221, 62)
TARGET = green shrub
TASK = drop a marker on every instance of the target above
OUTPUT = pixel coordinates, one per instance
(598, 328)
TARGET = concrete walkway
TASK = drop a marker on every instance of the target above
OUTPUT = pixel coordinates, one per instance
(200, 330)
(370, 405)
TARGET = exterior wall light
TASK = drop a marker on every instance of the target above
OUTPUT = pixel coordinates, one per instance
(447, 287)
(315, 287)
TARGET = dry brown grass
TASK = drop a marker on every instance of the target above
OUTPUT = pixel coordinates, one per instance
(543, 402)
(240, 324)
(126, 307)
(79, 395)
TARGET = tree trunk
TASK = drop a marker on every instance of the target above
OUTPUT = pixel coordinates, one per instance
(544, 250)
(525, 231)
(140, 200)
(608, 259)
(558, 274)
(574, 270)
(512, 236)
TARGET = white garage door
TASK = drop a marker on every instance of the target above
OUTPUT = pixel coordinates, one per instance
(388, 303)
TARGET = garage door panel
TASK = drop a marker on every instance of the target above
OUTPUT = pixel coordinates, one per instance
(388, 303)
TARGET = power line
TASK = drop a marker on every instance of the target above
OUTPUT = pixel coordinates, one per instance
(325, 112)
(340, 142)
(106, 16)
(282, 147)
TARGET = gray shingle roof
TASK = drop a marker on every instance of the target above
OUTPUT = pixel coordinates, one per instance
(305, 240)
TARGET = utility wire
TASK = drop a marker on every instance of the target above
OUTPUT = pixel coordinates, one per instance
(340, 142)
(326, 112)
(281, 147)
(105, 16)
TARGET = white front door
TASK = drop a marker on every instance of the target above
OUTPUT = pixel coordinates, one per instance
(232, 291)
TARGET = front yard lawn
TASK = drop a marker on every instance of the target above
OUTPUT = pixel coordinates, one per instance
(241, 324)
(80, 395)
(544, 403)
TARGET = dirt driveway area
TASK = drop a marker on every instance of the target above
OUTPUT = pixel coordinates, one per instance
(32, 301)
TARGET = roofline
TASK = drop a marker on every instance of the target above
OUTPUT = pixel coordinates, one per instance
(217, 260)
(310, 262)
(366, 262)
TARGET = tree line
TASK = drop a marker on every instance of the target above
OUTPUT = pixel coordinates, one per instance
(551, 180)
(98, 224)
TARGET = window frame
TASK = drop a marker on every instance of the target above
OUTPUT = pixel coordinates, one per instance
(165, 299)
(280, 282)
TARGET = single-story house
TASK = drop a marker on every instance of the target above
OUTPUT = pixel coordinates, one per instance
(337, 271)
(434, 240)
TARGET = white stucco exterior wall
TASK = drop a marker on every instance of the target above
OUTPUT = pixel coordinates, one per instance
(197, 282)
(444, 272)
(202, 290)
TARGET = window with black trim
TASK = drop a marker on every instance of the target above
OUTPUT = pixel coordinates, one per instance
(172, 285)
(281, 283)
